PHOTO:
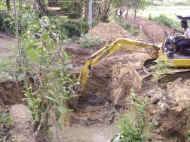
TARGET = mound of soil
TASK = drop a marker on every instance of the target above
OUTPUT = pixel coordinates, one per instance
(154, 31)
(170, 113)
(11, 92)
(108, 31)
(112, 76)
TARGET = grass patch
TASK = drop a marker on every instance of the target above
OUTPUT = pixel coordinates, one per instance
(133, 127)
(133, 30)
(5, 118)
(166, 21)
(88, 41)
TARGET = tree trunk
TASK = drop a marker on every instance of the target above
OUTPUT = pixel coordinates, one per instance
(135, 14)
(127, 13)
(40, 6)
(85, 9)
(8, 5)
(105, 9)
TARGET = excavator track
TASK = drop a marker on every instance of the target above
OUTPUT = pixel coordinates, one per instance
(170, 75)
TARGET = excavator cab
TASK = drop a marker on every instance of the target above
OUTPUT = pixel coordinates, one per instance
(176, 47)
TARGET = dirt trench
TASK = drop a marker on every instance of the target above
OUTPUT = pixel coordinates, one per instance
(94, 116)
(109, 86)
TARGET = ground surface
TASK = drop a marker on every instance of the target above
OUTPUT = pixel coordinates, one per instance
(7, 46)
(95, 116)
(102, 133)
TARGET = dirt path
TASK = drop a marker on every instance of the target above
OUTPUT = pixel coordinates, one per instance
(99, 133)
(7, 46)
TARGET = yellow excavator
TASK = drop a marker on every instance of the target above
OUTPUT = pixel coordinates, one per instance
(174, 59)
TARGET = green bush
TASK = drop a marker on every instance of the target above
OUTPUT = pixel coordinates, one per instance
(74, 28)
(45, 57)
(7, 23)
(88, 41)
(132, 125)
(166, 21)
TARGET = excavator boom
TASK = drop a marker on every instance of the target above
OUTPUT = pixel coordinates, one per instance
(124, 44)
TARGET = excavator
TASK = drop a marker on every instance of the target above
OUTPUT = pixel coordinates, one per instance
(176, 62)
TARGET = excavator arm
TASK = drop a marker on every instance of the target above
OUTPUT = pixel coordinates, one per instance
(126, 44)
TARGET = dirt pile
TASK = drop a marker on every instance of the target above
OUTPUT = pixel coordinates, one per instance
(154, 31)
(113, 75)
(108, 31)
(11, 92)
(170, 113)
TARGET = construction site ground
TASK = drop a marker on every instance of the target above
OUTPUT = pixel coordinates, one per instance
(95, 115)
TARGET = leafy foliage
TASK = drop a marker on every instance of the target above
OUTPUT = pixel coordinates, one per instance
(47, 60)
(130, 28)
(68, 28)
(133, 4)
(132, 125)
(164, 20)
(160, 69)
(7, 23)
(88, 41)
(5, 118)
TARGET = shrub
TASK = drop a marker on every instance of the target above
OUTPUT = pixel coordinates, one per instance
(166, 21)
(132, 125)
(48, 61)
(74, 28)
(7, 23)
(88, 41)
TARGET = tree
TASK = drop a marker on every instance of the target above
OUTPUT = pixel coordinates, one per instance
(8, 5)
(40, 6)
(131, 4)
(105, 6)
(139, 4)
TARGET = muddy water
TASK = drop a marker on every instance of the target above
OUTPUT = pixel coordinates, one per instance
(98, 133)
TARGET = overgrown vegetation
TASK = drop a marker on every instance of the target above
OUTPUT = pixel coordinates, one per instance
(166, 21)
(133, 30)
(160, 69)
(5, 126)
(48, 61)
(133, 124)
(88, 41)
(7, 23)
